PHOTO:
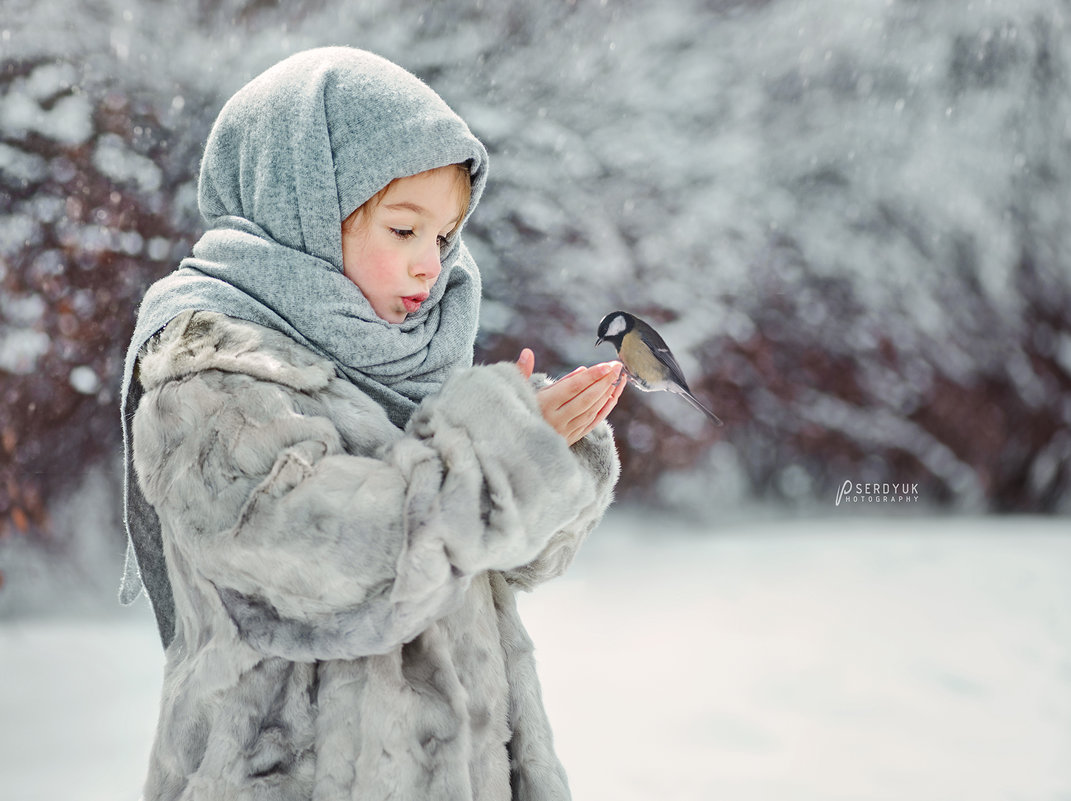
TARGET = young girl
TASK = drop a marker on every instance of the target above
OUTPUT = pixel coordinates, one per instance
(329, 507)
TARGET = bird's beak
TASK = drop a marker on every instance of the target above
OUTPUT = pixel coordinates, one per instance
(599, 341)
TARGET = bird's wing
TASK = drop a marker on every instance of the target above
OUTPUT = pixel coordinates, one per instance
(663, 354)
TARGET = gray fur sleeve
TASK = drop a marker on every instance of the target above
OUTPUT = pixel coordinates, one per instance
(597, 455)
(536, 490)
(319, 554)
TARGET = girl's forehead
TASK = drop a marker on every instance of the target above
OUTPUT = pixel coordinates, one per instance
(428, 192)
(436, 180)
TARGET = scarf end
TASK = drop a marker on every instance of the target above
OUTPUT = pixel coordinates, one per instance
(131, 586)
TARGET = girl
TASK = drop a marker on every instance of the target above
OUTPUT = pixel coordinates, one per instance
(329, 507)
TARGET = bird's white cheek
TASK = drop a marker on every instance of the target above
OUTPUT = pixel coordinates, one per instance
(617, 325)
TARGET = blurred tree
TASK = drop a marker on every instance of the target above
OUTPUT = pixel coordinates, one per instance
(88, 176)
(848, 219)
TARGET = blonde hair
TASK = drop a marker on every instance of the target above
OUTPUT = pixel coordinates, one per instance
(464, 189)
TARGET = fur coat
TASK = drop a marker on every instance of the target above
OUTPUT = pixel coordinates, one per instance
(346, 626)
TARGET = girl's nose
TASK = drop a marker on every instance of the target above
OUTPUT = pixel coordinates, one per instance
(428, 265)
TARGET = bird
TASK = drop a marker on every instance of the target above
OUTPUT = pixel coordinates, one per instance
(647, 360)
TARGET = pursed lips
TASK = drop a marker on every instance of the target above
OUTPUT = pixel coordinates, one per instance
(412, 302)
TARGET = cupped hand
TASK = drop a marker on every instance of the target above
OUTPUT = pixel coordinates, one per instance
(574, 404)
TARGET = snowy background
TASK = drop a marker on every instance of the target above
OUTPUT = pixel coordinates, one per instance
(848, 218)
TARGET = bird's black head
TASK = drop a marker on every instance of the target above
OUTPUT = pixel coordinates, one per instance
(614, 326)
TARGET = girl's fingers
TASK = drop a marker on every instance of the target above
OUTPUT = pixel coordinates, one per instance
(602, 415)
(526, 362)
(568, 387)
(615, 395)
(590, 408)
(582, 409)
(611, 402)
(591, 398)
(554, 396)
(578, 370)
(579, 401)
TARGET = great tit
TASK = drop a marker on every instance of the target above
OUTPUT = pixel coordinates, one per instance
(647, 360)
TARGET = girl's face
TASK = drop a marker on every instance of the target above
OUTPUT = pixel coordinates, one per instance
(391, 246)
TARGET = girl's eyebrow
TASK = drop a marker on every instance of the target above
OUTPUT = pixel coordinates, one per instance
(414, 207)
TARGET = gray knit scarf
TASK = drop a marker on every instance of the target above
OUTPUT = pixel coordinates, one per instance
(290, 156)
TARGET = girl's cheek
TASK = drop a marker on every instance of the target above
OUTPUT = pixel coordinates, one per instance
(377, 267)
(353, 254)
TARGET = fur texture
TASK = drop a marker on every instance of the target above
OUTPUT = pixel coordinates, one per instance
(346, 625)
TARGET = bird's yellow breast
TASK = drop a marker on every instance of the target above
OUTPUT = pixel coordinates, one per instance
(641, 362)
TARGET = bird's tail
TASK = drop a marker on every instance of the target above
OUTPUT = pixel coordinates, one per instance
(688, 397)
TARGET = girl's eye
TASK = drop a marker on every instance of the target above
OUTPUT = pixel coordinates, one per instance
(402, 233)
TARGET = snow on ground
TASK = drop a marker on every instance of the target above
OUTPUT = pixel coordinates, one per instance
(899, 659)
